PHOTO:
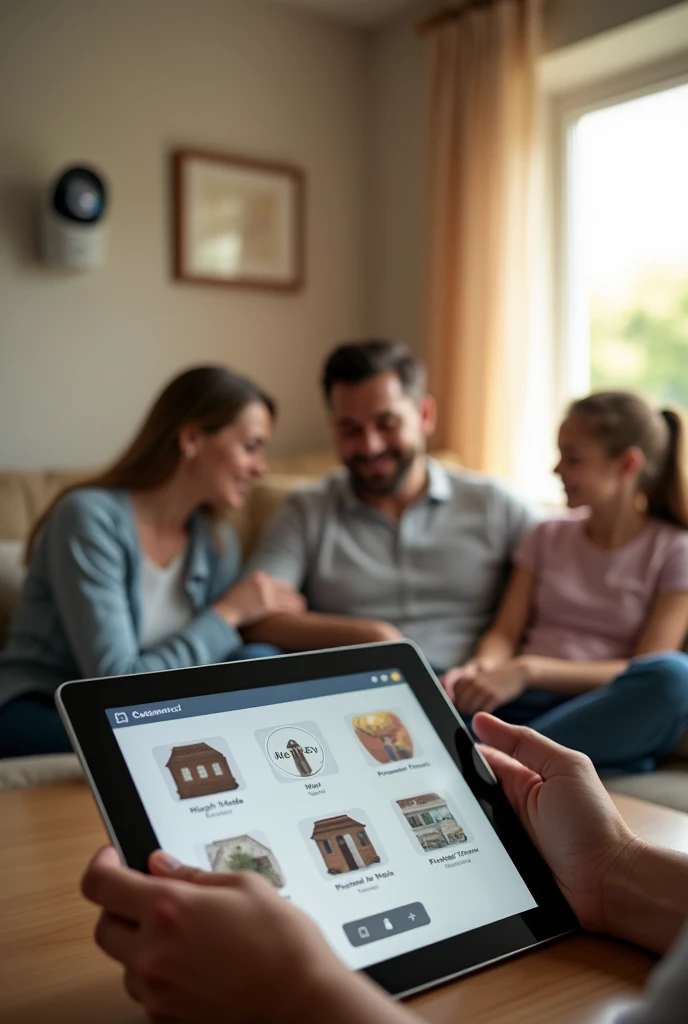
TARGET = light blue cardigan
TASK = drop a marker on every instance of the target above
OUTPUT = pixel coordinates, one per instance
(80, 610)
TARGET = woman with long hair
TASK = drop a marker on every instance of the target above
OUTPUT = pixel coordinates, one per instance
(585, 646)
(135, 569)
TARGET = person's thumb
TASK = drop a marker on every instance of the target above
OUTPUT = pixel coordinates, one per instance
(538, 753)
(164, 865)
(517, 781)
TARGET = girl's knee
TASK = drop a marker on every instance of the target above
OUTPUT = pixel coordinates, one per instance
(664, 675)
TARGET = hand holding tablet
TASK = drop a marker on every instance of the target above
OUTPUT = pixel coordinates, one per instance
(347, 781)
(280, 962)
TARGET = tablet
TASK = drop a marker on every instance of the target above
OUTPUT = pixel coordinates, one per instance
(344, 777)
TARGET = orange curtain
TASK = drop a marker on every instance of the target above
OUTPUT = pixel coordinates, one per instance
(481, 182)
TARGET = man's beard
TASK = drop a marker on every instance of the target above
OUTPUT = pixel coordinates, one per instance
(381, 485)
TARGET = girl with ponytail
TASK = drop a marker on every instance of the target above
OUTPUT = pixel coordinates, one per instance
(584, 648)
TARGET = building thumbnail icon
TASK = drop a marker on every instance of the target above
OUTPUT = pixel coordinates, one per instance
(198, 770)
(344, 844)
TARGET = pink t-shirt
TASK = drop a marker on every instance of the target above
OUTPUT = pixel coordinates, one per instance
(591, 604)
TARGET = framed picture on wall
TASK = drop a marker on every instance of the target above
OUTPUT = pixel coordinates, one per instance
(237, 221)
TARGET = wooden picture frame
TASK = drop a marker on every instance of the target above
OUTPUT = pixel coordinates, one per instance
(238, 222)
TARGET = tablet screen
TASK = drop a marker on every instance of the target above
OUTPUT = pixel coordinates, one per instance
(340, 793)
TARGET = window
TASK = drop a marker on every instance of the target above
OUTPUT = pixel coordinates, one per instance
(614, 273)
(186, 775)
(363, 839)
(627, 286)
(217, 768)
(428, 818)
(202, 771)
(414, 820)
(327, 845)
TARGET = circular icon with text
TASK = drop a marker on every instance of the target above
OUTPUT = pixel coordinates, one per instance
(295, 752)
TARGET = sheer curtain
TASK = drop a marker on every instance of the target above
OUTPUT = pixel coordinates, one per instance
(483, 347)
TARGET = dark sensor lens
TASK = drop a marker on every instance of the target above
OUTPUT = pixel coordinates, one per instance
(80, 195)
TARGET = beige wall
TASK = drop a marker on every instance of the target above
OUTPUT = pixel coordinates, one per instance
(569, 21)
(120, 83)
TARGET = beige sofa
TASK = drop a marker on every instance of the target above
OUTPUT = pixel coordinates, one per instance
(23, 495)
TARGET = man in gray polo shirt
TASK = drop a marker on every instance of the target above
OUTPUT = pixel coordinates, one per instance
(394, 543)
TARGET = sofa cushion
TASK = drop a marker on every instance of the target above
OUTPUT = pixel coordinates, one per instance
(42, 770)
(25, 495)
(264, 500)
(667, 786)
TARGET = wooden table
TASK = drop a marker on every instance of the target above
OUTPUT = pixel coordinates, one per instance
(50, 970)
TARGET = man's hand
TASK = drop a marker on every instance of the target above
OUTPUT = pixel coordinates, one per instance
(313, 631)
(480, 685)
(203, 947)
(257, 597)
(566, 811)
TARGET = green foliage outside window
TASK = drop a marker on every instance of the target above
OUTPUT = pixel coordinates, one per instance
(643, 345)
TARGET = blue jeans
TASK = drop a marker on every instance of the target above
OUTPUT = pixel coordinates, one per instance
(31, 724)
(626, 726)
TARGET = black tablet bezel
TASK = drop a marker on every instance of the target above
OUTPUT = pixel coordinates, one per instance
(83, 705)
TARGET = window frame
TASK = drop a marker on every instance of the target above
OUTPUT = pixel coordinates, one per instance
(563, 108)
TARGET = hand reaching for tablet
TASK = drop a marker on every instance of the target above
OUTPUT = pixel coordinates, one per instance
(566, 811)
(205, 948)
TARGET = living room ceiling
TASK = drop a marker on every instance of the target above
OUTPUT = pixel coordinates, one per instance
(364, 13)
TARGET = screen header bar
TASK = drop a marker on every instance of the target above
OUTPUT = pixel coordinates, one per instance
(215, 703)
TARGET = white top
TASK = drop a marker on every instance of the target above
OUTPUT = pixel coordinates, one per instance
(167, 607)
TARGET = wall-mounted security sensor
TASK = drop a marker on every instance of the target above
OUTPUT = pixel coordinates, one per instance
(73, 226)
